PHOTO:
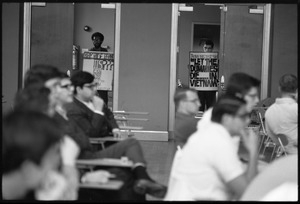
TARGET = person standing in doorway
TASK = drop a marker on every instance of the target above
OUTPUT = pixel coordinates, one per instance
(98, 39)
(207, 98)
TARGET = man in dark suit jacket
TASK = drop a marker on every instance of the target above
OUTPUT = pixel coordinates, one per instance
(99, 124)
(90, 114)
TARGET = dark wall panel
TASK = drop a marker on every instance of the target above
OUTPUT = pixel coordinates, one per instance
(145, 62)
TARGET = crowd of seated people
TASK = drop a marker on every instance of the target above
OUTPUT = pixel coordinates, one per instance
(211, 166)
(46, 83)
(61, 114)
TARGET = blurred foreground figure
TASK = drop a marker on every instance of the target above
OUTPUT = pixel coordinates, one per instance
(30, 152)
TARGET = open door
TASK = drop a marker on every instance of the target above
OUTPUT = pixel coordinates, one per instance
(52, 34)
(241, 41)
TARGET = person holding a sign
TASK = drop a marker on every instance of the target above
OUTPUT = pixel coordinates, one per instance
(98, 39)
(207, 98)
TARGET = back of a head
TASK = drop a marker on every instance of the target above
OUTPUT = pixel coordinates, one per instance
(40, 73)
(240, 83)
(288, 83)
(226, 104)
(27, 135)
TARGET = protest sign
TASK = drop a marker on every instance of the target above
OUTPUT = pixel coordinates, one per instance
(204, 71)
(101, 65)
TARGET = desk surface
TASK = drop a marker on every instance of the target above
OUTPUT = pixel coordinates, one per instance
(104, 162)
(282, 170)
(130, 127)
(104, 139)
(130, 113)
(110, 185)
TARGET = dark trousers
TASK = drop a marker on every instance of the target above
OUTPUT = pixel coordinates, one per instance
(103, 95)
(130, 148)
(207, 99)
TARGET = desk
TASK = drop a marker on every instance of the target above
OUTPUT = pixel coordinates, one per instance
(87, 163)
(110, 185)
(100, 140)
(282, 170)
(130, 113)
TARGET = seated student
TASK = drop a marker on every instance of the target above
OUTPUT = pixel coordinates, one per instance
(282, 116)
(187, 104)
(241, 85)
(89, 111)
(36, 98)
(63, 94)
(30, 151)
(31, 96)
(209, 167)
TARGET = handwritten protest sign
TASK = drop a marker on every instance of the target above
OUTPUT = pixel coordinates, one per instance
(101, 65)
(204, 71)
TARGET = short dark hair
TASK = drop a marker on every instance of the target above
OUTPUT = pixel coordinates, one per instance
(97, 34)
(27, 135)
(80, 78)
(288, 83)
(40, 73)
(180, 94)
(226, 104)
(240, 83)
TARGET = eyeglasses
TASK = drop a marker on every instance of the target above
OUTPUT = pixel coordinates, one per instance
(67, 86)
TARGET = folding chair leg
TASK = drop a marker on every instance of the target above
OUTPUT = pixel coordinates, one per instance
(273, 153)
(261, 143)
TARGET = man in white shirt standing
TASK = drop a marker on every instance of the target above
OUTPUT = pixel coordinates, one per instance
(282, 116)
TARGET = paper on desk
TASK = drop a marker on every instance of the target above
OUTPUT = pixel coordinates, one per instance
(98, 176)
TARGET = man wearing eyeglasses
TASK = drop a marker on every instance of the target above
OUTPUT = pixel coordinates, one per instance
(92, 116)
(187, 104)
(86, 104)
